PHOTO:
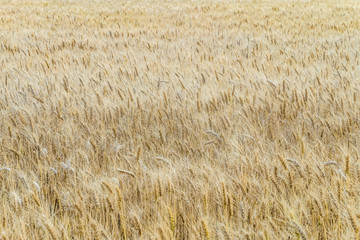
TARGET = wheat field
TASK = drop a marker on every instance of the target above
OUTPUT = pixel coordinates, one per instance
(179, 119)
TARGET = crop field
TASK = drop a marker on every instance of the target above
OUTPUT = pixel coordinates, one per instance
(185, 119)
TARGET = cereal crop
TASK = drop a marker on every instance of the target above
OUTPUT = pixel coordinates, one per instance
(152, 119)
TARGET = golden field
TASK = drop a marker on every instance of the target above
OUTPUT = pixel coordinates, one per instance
(179, 119)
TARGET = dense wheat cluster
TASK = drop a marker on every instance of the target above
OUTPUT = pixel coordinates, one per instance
(179, 120)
